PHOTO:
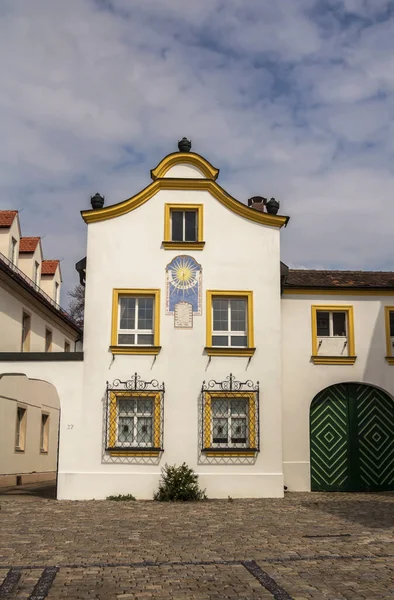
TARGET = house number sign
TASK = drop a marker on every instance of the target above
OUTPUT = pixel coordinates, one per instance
(183, 315)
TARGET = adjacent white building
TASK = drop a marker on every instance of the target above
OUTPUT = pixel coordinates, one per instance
(33, 327)
(200, 346)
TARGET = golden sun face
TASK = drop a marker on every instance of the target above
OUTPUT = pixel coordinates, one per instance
(183, 273)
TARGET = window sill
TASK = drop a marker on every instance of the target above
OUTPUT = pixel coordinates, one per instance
(225, 351)
(230, 451)
(390, 360)
(183, 245)
(135, 349)
(43, 451)
(19, 450)
(334, 360)
(134, 451)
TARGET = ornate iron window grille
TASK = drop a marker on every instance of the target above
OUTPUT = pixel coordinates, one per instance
(230, 416)
(134, 416)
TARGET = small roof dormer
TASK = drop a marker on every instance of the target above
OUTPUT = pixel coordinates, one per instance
(30, 258)
(10, 234)
(51, 278)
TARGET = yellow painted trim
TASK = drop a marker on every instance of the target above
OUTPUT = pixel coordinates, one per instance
(226, 351)
(389, 349)
(115, 348)
(334, 360)
(135, 349)
(208, 419)
(122, 208)
(141, 453)
(337, 292)
(168, 244)
(183, 245)
(189, 158)
(234, 453)
(390, 360)
(350, 337)
(113, 421)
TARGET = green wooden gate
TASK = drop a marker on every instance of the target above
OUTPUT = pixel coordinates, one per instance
(352, 439)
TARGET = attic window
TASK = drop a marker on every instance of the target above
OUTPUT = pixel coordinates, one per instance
(183, 226)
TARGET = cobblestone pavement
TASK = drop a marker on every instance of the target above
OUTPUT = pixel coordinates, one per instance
(321, 546)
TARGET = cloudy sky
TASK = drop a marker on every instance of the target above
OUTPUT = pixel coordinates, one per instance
(292, 99)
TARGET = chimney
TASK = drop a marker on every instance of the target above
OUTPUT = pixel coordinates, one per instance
(258, 203)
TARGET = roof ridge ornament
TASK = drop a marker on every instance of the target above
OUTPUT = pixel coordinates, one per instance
(184, 145)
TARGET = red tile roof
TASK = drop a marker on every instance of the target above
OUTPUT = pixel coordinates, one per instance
(305, 278)
(48, 267)
(28, 244)
(7, 217)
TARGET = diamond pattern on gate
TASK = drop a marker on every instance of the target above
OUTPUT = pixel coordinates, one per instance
(329, 439)
(375, 422)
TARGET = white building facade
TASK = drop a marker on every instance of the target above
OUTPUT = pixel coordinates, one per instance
(201, 347)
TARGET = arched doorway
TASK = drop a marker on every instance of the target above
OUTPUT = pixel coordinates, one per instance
(352, 439)
(29, 433)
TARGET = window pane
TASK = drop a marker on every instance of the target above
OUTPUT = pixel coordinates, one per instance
(219, 340)
(145, 313)
(220, 315)
(126, 429)
(391, 313)
(239, 340)
(145, 406)
(238, 431)
(238, 315)
(177, 225)
(190, 226)
(323, 323)
(220, 431)
(144, 430)
(219, 407)
(126, 406)
(127, 313)
(339, 323)
(126, 338)
(145, 340)
(239, 407)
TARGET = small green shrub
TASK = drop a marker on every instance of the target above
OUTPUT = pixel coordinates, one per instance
(121, 498)
(179, 484)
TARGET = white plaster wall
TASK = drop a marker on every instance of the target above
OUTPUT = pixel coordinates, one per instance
(126, 252)
(185, 171)
(37, 397)
(6, 235)
(12, 305)
(66, 377)
(302, 380)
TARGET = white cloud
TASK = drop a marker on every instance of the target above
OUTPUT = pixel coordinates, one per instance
(287, 100)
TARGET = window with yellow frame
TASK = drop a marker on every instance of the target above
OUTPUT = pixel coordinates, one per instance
(389, 323)
(183, 227)
(229, 323)
(333, 335)
(135, 321)
(135, 418)
(230, 417)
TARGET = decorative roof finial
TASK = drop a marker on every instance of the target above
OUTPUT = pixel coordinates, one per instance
(272, 206)
(97, 201)
(184, 145)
